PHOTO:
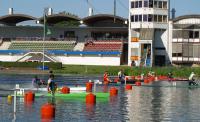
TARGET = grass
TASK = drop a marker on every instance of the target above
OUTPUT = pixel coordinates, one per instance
(131, 71)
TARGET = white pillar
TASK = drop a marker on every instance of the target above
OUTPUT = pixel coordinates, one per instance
(10, 11)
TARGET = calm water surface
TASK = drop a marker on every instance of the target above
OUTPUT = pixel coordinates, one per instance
(142, 104)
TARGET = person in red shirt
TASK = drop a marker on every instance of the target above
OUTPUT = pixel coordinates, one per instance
(106, 80)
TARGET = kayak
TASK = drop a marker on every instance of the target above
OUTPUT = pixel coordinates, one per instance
(176, 86)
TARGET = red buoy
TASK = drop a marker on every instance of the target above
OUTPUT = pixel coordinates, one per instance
(128, 87)
(47, 111)
(138, 83)
(113, 91)
(90, 98)
(89, 87)
(29, 96)
(65, 90)
(146, 80)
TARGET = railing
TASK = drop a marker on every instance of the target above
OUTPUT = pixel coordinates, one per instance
(37, 39)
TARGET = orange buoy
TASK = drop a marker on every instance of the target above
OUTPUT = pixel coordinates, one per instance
(29, 96)
(128, 87)
(89, 87)
(65, 90)
(138, 83)
(47, 111)
(113, 91)
(90, 98)
(146, 80)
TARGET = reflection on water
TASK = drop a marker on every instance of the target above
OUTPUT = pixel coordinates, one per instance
(163, 104)
(142, 104)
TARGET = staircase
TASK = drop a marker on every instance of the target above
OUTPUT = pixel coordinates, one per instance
(5, 45)
(79, 46)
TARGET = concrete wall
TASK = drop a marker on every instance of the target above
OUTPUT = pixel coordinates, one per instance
(96, 60)
(9, 58)
(73, 60)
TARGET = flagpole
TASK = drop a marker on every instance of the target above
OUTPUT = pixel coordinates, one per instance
(44, 35)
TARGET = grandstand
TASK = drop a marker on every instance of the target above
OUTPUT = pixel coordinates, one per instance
(38, 45)
(102, 45)
(66, 44)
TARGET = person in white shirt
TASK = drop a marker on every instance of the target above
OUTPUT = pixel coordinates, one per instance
(191, 79)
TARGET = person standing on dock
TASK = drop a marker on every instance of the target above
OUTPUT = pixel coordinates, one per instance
(35, 82)
(191, 79)
(51, 84)
(170, 76)
(121, 76)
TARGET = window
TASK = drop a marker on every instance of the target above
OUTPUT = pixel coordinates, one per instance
(136, 4)
(146, 3)
(159, 4)
(164, 18)
(136, 18)
(155, 18)
(132, 4)
(165, 4)
(140, 4)
(132, 18)
(191, 34)
(150, 18)
(196, 34)
(150, 3)
(159, 18)
(145, 17)
(160, 48)
(140, 18)
(155, 4)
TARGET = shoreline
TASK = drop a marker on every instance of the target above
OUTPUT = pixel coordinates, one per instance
(22, 71)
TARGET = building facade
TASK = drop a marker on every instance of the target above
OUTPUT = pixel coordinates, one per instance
(185, 39)
(148, 32)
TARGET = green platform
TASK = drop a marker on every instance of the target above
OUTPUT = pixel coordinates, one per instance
(100, 96)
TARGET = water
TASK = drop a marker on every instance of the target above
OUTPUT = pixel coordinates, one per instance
(142, 104)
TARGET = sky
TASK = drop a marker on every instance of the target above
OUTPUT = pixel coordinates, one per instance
(80, 7)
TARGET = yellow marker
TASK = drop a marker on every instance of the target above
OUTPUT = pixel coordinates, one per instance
(9, 99)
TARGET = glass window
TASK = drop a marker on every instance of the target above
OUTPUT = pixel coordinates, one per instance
(196, 34)
(155, 4)
(145, 17)
(140, 18)
(155, 18)
(150, 18)
(159, 18)
(159, 4)
(146, 3)
(136, 18)
(140, 4)
(150, 3)
(132, 18)
(132, 4)
(136, 4)
(165, 4)
(191, 34)
(164, 18)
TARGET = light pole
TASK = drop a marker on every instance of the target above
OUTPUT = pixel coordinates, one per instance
(44, 33)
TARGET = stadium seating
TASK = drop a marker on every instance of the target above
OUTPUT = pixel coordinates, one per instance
(102, 45)
(38, 45)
